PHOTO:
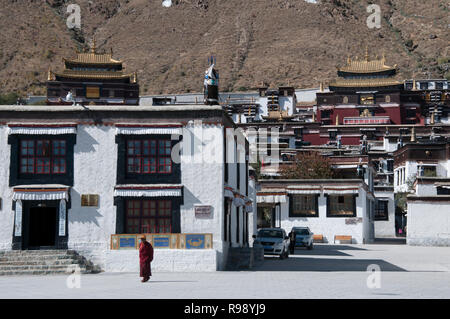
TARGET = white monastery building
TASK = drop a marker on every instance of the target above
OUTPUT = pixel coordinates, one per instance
(92, 178)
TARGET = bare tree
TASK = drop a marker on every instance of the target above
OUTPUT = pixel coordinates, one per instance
(308, 165)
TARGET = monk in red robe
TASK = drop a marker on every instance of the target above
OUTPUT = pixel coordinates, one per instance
(145, 258)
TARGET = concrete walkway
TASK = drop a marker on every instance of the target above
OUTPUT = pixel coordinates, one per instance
(328, 271)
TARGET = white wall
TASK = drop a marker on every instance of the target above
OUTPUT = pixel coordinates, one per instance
(386, 228)
(6, 212)
(171, 260)
(95, 167)
(203, 182)
(329, 227)
(428, 223)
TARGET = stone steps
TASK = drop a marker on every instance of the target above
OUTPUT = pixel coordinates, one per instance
(37, 262)
(38, 252)
(42, 262)
(37, 272)
(68, 268)
(37, 258)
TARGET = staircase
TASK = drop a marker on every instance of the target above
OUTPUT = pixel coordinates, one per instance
(43, 262)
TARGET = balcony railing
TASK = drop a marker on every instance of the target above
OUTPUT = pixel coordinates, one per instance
(367, 120)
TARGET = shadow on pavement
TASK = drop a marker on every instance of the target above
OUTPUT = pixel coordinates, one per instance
(327, 250)
(389, 241)
(306, 260)
(298, 263)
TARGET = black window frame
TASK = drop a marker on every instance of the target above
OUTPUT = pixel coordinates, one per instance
(18, 178)
(385, 215)
(291, 206)
(120, 203)
(123, 177)
(330, 215)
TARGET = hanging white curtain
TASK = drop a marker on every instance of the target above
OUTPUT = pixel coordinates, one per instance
(62, 217)
(18, 219)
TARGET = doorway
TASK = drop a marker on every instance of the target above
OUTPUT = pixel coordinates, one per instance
(265, 216)
(42, 227)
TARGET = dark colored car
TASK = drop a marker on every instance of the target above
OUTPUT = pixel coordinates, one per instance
(303, 237)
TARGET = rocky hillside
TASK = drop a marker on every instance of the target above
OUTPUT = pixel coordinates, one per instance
(279, 42)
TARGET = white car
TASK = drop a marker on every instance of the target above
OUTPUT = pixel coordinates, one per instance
(274, 240)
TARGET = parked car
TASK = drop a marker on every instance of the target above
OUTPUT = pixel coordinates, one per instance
(274, 240)
(303, 237)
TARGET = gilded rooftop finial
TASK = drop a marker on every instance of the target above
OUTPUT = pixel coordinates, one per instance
(93, 48)
(367, 53)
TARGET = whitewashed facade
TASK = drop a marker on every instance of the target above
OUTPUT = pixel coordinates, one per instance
(429, 212)
(96, 164)
(323, 216)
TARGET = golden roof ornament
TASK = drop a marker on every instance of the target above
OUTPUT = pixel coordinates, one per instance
(50, 75)
(321, 86)
(93, 48)
(366, 65)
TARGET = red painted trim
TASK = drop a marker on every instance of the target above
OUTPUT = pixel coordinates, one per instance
(148, 125)
(146, 187)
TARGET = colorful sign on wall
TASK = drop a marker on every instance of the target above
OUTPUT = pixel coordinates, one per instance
(163, 241)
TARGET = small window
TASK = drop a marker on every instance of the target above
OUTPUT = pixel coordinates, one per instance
(43, 157)
(411, 113)
(341, 206)
(92, 92)
(304, 206)
(148, 216)
(381, 210)
(424, 85)
(388, 99)
(427, 171)
(149, 156)
(345, 100)
(332, 135)
(325, 114)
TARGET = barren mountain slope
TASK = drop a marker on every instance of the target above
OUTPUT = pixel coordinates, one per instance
(280, 42)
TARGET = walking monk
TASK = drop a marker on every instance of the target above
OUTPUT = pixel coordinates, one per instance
(145, 258)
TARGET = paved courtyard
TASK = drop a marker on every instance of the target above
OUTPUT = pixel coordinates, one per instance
(328, 271)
